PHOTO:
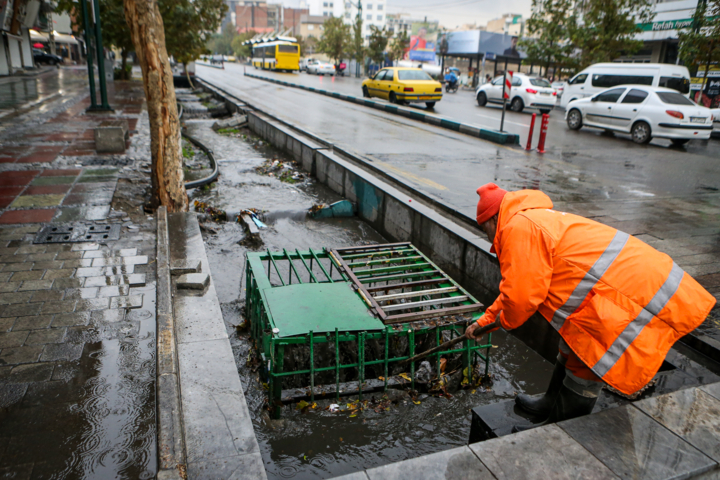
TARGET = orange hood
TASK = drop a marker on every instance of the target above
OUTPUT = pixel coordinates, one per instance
(516, 202)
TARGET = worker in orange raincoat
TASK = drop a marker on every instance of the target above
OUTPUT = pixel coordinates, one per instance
(618, 304)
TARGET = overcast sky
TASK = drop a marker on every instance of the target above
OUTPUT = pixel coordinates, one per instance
(452, 13)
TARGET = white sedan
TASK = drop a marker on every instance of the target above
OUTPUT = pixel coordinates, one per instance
(643, 112)
(534, 92)
(321, 68)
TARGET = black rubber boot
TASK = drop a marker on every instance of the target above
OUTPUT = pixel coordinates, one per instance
(567, 405)
(541, 406)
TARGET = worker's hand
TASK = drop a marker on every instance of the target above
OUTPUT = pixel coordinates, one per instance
(481, 322)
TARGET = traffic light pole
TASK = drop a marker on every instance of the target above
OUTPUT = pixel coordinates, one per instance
(502, 119)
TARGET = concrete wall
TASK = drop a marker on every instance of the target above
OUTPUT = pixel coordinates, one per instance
(458, 250)
(4, 64)
(15, 54)
(26, 48)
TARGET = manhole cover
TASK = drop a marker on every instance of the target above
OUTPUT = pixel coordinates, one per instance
(77, 232)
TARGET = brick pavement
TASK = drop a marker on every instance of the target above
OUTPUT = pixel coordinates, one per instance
(77, 320)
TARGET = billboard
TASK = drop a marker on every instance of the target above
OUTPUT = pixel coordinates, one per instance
(476, 42)
(423, 39)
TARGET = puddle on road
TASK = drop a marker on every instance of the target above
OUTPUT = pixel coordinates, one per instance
(320, 444)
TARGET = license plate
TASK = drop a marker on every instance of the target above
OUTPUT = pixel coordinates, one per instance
(697, 119)
(544, 93)
(425, 98)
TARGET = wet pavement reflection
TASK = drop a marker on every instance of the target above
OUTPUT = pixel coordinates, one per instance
(15, 92)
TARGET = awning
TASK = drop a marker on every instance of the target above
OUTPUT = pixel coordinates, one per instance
(36, 36)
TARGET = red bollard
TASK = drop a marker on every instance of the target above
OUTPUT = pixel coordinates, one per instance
(543, 132)
(532, 127)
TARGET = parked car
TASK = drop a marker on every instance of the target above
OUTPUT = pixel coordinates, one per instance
(403, 85)
(321, 68)
(305, 62)
(48, 58)
(526, 91)
(601, 76)
(559, 88)
(643, 112)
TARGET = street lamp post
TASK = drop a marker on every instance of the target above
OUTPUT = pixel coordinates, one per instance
(357, 17)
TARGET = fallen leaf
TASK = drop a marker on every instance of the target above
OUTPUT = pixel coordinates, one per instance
(405, 376)
(416, 403)
(381, 378)
(314, 405)
(302, 404)
(355, 415)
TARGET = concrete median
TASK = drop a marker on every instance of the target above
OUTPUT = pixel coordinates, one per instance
(495, 136)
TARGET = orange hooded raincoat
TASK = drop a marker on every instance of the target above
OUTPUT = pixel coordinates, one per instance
(618, 303)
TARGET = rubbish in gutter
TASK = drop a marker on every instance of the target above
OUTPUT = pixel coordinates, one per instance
(343, 208)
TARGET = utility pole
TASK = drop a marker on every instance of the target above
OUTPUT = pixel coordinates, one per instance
(97, 36)
(357, 17)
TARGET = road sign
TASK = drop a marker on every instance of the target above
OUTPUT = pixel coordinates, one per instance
(508, 85)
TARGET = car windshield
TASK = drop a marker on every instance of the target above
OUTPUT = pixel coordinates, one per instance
(673, 98)
(539, 82)
(413, 75)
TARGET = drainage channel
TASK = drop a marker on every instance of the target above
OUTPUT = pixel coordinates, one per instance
(307, 442)
(315, 432)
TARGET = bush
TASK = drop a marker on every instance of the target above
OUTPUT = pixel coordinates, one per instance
(119, 74)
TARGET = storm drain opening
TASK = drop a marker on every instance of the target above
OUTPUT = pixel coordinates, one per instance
(78, 232)
(340, 322)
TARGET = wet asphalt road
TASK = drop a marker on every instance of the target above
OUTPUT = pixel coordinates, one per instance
(462, 107)
(586, 167)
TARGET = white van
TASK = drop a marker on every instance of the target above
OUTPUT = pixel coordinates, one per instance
(601, 76)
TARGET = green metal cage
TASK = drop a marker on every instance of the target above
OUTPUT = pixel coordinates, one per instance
(375, 304)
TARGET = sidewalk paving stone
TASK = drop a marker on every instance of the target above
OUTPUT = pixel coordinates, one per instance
(46, 189)
(78, 214)
(18, 355)
(46, 336)
(32, 322)
(71, 319)
(37, 201)
(54, 180)
(27, 216)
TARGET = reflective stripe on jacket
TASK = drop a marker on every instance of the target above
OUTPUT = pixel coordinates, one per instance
(619, 304)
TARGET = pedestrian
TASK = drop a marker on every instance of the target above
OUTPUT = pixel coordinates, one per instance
(488, 78)
(618, 304)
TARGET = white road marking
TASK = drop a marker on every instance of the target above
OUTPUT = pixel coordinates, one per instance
(506, 121)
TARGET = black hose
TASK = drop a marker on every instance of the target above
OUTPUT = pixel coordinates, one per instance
(214, 175)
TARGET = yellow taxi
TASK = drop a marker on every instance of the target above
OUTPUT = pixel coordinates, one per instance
(403, 85)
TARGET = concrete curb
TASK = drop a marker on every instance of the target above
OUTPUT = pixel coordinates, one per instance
(216, 423)
(171, 444)
(482, 133)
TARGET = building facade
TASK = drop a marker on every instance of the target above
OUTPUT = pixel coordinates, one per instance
(660, 37)
(374, 12)
(509, 24)
(263, 17)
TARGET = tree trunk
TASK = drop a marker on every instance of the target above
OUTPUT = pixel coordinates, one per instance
(187, 74)
(123, 65)
(148, 36)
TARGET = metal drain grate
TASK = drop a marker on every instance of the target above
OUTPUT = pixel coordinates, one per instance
(77, 232)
